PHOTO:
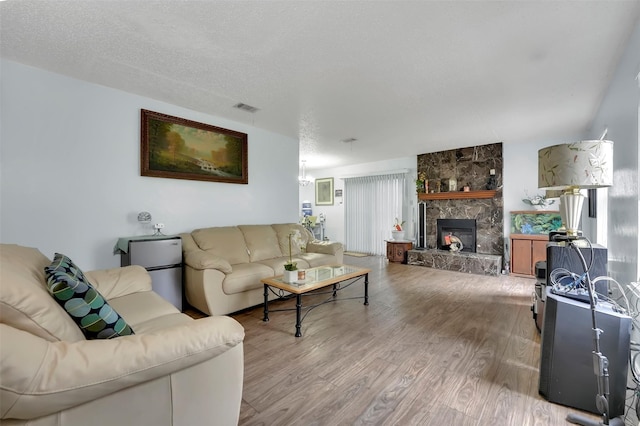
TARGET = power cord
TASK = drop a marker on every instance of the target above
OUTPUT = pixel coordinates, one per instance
(600, 361)
(569, 284)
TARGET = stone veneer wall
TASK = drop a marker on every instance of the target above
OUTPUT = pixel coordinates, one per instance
(469, 166)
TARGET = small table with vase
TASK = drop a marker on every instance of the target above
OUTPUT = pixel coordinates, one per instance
(316, 279)
(397, 247)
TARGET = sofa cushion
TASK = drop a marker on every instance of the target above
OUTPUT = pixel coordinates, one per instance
(141, 307)
(325, 247)
(299, 240)
(262, 242)
(277, 264)
(246, 276)
(117, 282)
(25, 303)
(226, 242)
(86, 306)
(147, 311)
(318, 259)
(204, 260)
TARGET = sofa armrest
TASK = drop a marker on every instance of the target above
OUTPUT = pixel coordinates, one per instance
(41, 377)
(324, 247)
(201, 260)
(117, 282)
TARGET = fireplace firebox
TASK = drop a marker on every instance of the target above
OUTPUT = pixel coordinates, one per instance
(464, 229)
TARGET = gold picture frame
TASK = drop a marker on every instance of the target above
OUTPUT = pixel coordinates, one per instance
(177, 148)
(324, 192)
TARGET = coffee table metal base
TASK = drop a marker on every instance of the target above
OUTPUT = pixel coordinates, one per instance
(333, 298)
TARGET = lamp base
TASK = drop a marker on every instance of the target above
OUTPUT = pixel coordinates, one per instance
(571, 210)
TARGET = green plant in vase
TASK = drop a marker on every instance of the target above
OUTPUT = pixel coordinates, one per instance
(421, 183)
(290, 265)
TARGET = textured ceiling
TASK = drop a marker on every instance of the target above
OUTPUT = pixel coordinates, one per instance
(402, 77)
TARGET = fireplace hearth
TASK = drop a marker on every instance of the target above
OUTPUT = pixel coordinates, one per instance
(464, 229)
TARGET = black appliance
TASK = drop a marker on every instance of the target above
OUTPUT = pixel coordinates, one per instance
(560, 255)
(566, 362)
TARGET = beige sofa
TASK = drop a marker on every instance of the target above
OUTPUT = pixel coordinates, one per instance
(173, 371)
(224, 265)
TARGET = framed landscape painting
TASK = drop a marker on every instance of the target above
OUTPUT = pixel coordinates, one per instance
(324, 192)
(177, 148)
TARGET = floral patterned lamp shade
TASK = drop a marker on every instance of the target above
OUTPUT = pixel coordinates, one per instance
(573, 166)
(585, 164)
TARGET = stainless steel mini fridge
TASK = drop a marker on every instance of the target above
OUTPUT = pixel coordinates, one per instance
(162, 258)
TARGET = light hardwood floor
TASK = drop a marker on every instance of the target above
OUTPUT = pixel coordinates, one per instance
(432, 348)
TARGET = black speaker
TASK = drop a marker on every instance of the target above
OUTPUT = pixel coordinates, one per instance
(560, 255)
(422, 225)
(567, 374)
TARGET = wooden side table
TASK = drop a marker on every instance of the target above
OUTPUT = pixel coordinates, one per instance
(397, 250)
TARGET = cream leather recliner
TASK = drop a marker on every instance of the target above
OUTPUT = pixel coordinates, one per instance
(173, 371)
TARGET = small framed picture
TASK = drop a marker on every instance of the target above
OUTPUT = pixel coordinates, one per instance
(324, 192)
(444, 185)
(338, 193)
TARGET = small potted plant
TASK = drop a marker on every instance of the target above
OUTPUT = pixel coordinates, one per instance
(421, 183)
(538, 202)
(290, 268)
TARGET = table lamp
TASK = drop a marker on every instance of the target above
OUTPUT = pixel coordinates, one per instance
(571, 167)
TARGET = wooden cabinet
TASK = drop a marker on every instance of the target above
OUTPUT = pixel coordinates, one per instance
(526, 250)
(397, 250)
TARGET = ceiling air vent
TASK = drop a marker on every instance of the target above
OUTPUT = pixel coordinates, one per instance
(246, 107)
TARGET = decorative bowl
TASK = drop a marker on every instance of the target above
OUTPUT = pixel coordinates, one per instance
(397, 235)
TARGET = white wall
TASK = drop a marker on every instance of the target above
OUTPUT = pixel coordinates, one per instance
(520, 168)
(619, 113)
(334, 228)
(70, 170)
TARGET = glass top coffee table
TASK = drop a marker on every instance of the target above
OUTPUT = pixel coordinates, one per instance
(316, 279)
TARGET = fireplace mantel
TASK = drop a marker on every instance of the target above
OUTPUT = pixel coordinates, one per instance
(457, 195)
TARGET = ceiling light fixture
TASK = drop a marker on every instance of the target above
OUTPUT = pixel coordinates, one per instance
(303, 179)
(349, 140)
(245, 107)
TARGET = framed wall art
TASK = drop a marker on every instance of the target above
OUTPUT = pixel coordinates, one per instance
(324, 192)
(177, 148)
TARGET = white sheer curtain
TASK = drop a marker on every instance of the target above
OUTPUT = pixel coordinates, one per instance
(371, 204)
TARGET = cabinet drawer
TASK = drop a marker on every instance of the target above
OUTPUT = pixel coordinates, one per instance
(153, 253)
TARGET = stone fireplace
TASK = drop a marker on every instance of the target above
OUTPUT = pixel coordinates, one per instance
(464, 229)
(465, 167)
